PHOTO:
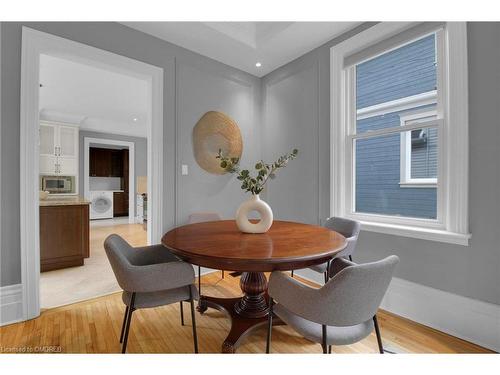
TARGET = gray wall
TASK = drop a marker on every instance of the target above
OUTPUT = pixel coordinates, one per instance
(193, 84)
(198, 93)
(140, 150)
(295, 116)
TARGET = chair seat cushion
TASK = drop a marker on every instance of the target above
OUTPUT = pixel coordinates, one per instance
(313, 331)
(321, 268)
(160, 298)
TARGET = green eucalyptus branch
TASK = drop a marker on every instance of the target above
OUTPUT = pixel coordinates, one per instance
(255, 184)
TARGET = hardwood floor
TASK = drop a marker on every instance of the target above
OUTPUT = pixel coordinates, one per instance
(94, 327)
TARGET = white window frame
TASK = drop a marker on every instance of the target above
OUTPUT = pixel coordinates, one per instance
(406, 181)
(451, 224)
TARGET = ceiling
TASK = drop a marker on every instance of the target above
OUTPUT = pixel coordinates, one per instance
(243, 44)
(95, 98)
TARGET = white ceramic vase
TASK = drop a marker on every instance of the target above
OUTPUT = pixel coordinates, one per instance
(254, 203)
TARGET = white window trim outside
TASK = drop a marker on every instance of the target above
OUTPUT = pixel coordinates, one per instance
(452, 223)
(405, 170)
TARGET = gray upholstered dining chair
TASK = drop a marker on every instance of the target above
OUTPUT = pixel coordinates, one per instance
(341, 312)
(150, 276)
(350, 230)
(201, 217)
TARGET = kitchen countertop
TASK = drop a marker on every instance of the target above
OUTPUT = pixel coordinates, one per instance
(64, 201)
(112, 191)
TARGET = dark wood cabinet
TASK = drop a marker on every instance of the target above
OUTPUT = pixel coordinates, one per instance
(64, 236)
(105, 162)
(120, 204)
(100, 162)
(125, 170)
(117, 163)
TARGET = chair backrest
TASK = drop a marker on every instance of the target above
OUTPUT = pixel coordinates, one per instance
(354, 294)
(349, 229)
(146, 269)
(201, 217)
(121, 257)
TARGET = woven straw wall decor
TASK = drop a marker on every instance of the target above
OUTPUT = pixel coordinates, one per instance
(214, 131)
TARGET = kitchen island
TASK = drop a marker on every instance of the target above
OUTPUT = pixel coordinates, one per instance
(64, 232)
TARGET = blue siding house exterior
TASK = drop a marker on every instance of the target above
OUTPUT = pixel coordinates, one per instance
(406, 71)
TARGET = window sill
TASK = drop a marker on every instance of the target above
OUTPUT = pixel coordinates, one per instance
(428, 234)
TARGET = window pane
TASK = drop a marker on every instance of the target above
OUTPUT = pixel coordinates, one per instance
(377, 185)
(405, 71)
(424, 144)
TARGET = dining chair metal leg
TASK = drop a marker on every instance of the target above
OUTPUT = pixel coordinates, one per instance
(269, 326)
(327, 272)
(123, 324)
(329, 349)
(379, 336)
(350, 258)
(199, 279)
(182, 313)
(193, 321)
(292, 273)
(324, 340)
(129, 319)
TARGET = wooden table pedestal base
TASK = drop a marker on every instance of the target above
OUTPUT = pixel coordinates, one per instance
(247, 313)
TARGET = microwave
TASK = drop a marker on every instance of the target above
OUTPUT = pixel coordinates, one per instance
(58, 184)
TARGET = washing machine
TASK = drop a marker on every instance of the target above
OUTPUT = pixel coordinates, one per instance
(101, 204)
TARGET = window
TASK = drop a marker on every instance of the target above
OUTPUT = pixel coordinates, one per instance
(419, 156)
(395, 117)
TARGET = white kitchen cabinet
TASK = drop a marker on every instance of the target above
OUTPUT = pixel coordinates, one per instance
(68, 166)
(58, 149)
(53, 165)
(68, 141)
(48, 164)
(47, 140)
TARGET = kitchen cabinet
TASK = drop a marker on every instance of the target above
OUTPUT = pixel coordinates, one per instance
(120, 203)
(125, 171)
(100, 162)
(47, 139)
(68, 141)
(48, 165)
(116, 163)
(68, 166)
(125, 179)
(64, 235)
(58, 149)
(105, 162)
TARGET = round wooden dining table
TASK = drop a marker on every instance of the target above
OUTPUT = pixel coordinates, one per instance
(220, 245)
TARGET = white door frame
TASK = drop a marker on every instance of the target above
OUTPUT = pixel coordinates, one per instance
(35, 43)
(131, 176)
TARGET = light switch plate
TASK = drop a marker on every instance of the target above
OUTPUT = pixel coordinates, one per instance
(184, 170)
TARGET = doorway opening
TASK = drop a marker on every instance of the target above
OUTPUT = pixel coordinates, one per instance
(73, 97)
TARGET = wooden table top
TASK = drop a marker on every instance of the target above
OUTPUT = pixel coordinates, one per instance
(286, 246)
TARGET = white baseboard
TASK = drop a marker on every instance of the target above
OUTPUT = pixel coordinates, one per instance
(469, 319)
(11, 304)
